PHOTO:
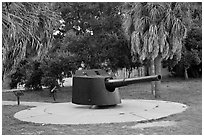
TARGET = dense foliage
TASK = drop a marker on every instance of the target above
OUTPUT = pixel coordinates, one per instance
(94, 34)
(28, 72)
(45, 42)
(27, 31)
(190, 64)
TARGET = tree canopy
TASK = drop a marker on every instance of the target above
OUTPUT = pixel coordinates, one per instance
(27, 31)
(191, 59)
(156, 28)
(93, 32)
(101, 34)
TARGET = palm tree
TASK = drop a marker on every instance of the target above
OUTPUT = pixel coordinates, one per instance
(156, 31)
(27, 28)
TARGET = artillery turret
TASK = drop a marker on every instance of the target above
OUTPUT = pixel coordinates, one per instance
(97, 87)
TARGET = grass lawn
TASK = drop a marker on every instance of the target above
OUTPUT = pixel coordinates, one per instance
(177, 90)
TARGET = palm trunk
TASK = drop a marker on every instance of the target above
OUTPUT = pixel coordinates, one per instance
(139, 72)
(152, 72)
(158, 66)
(185, 73)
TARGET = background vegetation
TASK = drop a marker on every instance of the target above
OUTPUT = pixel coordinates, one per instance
(44, 42)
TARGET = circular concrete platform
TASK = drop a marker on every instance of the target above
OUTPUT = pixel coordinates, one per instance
(127, 111)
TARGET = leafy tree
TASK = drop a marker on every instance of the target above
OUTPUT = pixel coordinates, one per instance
(94, 34)
(190, 63)
(52, 71)
(56, 66)
(33, 75)
(17, 77)
(89, 17)
(156, 31)
(27, 72)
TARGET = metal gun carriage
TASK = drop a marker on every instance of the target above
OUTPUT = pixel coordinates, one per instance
(97, 87)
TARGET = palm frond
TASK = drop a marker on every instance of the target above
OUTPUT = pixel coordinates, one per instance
(135, 42)
(127, 23)
(136, 15)
(159, 28)
(20, 24)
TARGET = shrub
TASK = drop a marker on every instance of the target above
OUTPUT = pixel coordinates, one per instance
(33, 75)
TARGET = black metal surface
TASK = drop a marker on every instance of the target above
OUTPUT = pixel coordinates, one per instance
(89, 89)
(97, 87)
(114, 83)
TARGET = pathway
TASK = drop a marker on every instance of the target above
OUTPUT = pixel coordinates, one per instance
(25, 103)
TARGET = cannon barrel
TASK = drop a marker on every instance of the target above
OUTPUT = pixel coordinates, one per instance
(111, 84)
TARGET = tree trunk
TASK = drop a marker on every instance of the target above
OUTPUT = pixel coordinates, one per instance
(139, 72)
(152, 72)
(6, 81)
(129, 72)
(158, 66)
(185, 73)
